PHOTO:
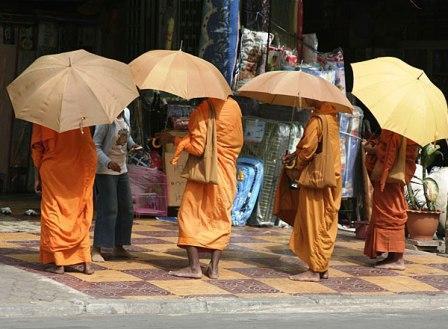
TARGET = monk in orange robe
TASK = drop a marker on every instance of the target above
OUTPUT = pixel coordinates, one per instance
(316, 222)
(204, 216)
(66, 165)
(386, 232)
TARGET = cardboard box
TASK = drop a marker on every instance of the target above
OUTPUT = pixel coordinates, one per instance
(175, 183)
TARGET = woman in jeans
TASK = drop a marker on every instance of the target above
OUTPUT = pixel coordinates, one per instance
(114, 212)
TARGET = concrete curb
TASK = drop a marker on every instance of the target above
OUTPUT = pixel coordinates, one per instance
(300, 304)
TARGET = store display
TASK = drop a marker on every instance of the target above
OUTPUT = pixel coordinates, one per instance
(219, 35)
(350, 139)
(252, 47)
(277, 138)
(249, 180)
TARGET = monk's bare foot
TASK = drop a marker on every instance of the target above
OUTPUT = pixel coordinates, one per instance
(308, 276)
(120, 252)
(96, 255)
(55, 269)
(88, 269)
(211, 273)
(187, 272)
(397, 265)
(324, 275)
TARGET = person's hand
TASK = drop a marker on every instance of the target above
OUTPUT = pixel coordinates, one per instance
(288, 158)
(114, 166)
(37, 185)
(135, 148)
(164, 138)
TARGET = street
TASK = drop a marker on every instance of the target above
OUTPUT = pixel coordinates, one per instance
(420, 319)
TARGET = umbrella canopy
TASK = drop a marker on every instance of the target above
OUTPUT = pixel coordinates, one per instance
(292, 88)
(72, 90)
(179, 73)
(402, 99)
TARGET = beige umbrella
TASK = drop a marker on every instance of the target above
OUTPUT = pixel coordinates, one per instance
(294, 88)
(72, 90)
(179, 73)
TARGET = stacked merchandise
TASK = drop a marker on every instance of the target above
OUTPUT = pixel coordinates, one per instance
(268, 140)
(350, 137)
(249, 180)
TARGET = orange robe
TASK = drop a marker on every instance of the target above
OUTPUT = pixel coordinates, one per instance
(204, 215)
(316, 222)
(386, 232)
(67, 165)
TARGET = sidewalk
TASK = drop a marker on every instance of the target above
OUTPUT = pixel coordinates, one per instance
(254, 278)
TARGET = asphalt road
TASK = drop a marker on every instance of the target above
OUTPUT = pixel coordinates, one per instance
(387, 320)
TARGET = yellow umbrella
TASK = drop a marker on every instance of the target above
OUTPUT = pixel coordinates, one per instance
(402, 99)
(72, 90)
(290, 88)
(179, 73)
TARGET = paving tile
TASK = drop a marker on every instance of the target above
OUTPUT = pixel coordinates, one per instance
(419, 269)
(121, 289)
(364, 270)
(248, 286)
(148, 241)
(151, 274)
(127, 265)
(437, 281)
(399, 284)
(427, 259)
(351, 285)
(106, 276)
(294, 287)
(260, 272)
(190, 287)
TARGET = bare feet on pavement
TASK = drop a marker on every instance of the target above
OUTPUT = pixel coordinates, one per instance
(88, 269)
(55, 269)
(210, 272)
(96, 255)
(308, 276)
(187, 272)
(397, 265)
(120, 252)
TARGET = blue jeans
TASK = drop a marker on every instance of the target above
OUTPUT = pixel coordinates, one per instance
(114, 212)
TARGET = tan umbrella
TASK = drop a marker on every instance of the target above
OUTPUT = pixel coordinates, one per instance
(294, 88)
(72, 90)
(179, 73)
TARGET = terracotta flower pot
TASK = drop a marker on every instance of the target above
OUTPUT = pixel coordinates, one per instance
(422, 225)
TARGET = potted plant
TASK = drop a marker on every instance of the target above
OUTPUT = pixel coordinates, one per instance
(423, 215)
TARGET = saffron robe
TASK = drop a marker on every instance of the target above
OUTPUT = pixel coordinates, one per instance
(316, 222)
(205, 212)
(66, 163)
(386, 231)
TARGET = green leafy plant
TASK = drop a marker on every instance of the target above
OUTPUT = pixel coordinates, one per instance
(427, 156)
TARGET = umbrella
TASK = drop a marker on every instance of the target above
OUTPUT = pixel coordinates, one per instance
(72, 90)
(290, 88)
(402, 99)
(179, 73)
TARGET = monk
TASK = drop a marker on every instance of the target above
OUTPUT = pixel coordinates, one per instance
(386, 232)
(66, 165)
(316, 221)
(204, 215)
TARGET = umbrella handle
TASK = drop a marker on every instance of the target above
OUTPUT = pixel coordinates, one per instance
(81, 127)
(155, 144)
(291, 165)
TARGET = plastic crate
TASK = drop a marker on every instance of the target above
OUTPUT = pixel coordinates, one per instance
(149, 191)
